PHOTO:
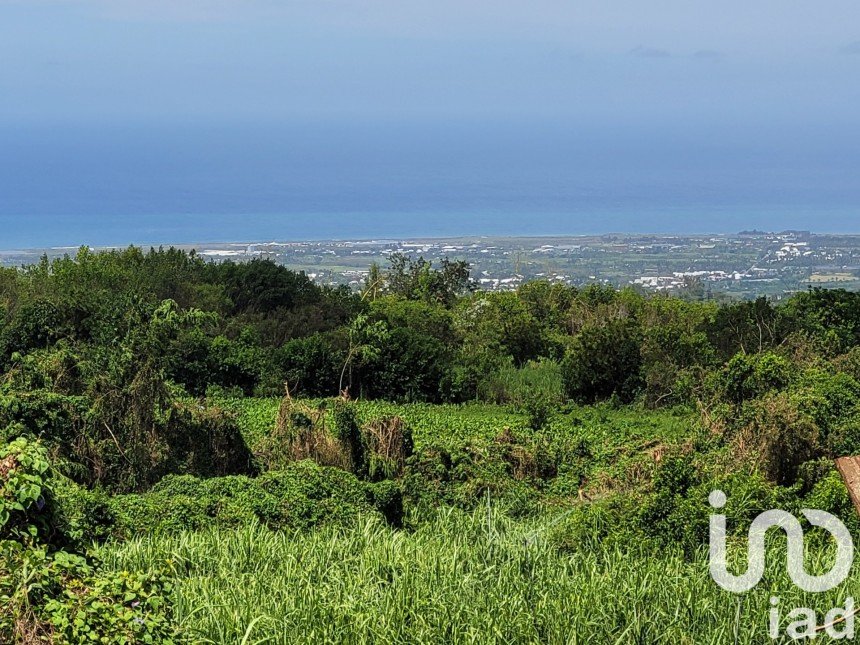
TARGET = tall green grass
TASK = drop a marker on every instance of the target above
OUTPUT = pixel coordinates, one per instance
(462, 578)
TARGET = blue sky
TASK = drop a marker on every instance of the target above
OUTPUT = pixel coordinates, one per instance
(596, 61)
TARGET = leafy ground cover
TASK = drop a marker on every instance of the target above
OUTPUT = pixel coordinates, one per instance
(617, 439)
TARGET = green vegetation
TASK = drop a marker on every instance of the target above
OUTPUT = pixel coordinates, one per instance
(194, 452)
(458, 578)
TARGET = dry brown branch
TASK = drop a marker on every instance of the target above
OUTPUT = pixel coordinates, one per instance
(388, 445)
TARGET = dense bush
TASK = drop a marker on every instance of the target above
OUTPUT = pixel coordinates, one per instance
(748, 376)
(415, 333)
(604, 361)
(63, 598)
(24, 476)
(301, 496)
(311, 365)
(126, 413)
(129, 438)
(56, 595)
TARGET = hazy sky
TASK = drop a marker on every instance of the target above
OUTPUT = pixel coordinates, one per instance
(610, 62)
(135, 120)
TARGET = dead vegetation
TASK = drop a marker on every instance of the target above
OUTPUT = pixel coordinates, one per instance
(378, 449)
(388, 445)
(7, 465)
(779, 437)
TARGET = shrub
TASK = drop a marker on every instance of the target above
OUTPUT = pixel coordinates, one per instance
(36, 324)
(80, 516)
(386, 496)
(159, 513)
(833, 402)
(667, 514)
(346, 430)
(310, 494)
(54, 595)
(301, 496)
(56, 418)
(118, 607)
(24, 475)
(607, 523)
(748, 376)
(539, 411)
(128, 443)
(779, 436)
(61, 598)
(747, 494)
(300, 432)
(830, 494)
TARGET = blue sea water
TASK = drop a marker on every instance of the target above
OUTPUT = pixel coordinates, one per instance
(113, 185)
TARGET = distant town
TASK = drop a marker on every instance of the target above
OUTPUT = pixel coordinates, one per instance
(743, 265)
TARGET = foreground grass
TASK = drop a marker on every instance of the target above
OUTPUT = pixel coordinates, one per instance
(461, 578)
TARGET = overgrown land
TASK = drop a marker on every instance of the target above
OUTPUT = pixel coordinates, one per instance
(195, 452)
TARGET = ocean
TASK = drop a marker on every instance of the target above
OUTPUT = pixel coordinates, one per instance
(66, 185)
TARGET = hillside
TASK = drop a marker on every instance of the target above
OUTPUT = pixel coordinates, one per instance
(221, 453)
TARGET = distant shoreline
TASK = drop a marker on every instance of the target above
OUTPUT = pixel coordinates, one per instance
(197, 245)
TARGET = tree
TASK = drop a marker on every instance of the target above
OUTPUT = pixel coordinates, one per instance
(501, 322)
(365, 341)
(603, 362)
(416, 279)
(747, 376)
(548, 302)
(373, 283)
(747, 327)
(262, 286)
(311, 365)
(832, 316)
(675, 347)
